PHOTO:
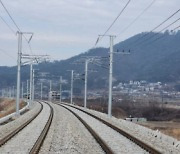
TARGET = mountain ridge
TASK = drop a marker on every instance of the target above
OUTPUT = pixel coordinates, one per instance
(151, 61)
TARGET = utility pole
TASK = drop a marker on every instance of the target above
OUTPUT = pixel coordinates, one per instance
(2, 93)
(18, 71)
(41, 90)
(72, 79)
(50, 89)
(89, 59)
(19, 67)
(162, 96)
(33, 88)
(7, 95)
(33, 59)
(60, 90)
(22, 90)
(13, 93)
(27, 90)
(110, 76)
(7, 91)
(10, 92)
(85, 83)
(50, 86)
(110, 73)
(31, 84)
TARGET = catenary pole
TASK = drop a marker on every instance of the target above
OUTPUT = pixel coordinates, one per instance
(41, 90)
(31, 84)
(85, 83)
(60, 90)
(110, 73)
(2, 93)
(50, 89)
(10, 92)
(22, 90)
(72, 79)
(110, 76)
(13, 93)
(27, 90)
(18, 71)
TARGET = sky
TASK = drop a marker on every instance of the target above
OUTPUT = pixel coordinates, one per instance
(65, 28)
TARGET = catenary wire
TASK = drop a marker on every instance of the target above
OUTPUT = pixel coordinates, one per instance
(10, 15)
(15, 24)
(156, 34)
(160, 37)
(126, 28)
(176, 28)
(8, 25)
(146, 34)
(5, 52)
(98, 40)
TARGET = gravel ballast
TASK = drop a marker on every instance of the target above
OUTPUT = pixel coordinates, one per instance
(68, 135)
(117, 142)
(25, 139)
(11, 126)
(155, 139)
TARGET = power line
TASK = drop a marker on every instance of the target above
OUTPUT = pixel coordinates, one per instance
(170, 25)
(116, 18)
(176, 28)
(165, 20)
(146, 34)
(100, 65)
(126, 28)
(113, 22)
(5, 52)
(8, 25)
(159, 31)
(158, 38)
(10, 15)
(15, 24)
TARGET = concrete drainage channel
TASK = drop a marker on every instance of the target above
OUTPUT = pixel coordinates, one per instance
(100, 141)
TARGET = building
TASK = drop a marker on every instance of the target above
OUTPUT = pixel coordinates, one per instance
(54, 95)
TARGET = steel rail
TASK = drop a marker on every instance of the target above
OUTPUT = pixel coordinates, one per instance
(137, 141)
(37, 146)
(16, 131)
(101, 142)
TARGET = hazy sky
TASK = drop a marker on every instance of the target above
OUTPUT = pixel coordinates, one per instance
(64, 28)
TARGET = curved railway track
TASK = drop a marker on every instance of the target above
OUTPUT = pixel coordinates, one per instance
(104, 146)
(38, 143)
(16, 131)
(35, 149)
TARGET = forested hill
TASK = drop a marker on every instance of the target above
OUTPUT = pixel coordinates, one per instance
(153, 57)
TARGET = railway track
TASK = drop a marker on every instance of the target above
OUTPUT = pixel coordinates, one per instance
(16, 131)
(41, 138)
(36, 143)
(101, 142)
